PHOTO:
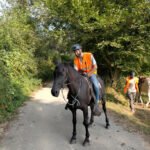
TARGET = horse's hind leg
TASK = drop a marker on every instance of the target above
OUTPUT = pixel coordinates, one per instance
(105, 112)
(74, 121)
(148, 100)
(92, 115)
(85, 123)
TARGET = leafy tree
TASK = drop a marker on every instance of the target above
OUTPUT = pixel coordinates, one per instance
(18, 65)
(116, 31)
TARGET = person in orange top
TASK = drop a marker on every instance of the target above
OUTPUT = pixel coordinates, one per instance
(131, 88)
(85, 63)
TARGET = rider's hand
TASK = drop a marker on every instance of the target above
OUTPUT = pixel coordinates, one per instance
(81, 72)
(85, 74)
(89, 74)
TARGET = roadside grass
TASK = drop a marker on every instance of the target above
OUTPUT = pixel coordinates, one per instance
(118, 106)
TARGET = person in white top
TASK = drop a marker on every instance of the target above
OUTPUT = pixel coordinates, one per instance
(131, 88)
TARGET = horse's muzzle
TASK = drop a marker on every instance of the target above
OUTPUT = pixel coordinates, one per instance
(55, 92)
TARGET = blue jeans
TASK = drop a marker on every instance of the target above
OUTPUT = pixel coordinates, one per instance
(95, 83)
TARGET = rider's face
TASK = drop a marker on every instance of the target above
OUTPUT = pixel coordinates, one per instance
(78, 52)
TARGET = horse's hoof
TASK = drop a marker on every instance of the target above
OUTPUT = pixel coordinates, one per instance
(72, 140)
(86, 142)
(66, 107)
(107, 126)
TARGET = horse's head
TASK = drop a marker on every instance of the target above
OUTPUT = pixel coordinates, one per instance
(60, 78)
(142, 79)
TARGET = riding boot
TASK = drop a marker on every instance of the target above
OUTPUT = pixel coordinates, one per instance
(96, 110)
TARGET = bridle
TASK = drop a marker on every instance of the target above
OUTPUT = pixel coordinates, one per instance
(68, 81)
(75, 100)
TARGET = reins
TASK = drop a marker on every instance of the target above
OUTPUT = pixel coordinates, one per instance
(75, 100)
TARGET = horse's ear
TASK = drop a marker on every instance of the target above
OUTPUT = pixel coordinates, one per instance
(57, 61)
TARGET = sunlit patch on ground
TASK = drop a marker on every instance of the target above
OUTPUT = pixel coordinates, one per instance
(134, 122)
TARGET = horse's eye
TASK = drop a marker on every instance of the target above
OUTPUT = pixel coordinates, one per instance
(63, 70)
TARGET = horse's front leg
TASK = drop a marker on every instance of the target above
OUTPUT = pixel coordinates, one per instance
(85, 123)
(74, 121)
(105, 112)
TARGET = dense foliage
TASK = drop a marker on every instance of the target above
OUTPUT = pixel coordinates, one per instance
(17, 63)
(116, 31)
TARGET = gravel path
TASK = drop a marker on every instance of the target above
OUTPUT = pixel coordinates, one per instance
(44, 124)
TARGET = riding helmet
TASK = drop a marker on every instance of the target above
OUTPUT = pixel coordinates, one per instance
(76, 47)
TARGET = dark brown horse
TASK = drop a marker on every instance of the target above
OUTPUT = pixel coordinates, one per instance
(79, 96)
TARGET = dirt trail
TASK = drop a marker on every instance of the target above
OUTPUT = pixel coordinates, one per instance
(44, 124)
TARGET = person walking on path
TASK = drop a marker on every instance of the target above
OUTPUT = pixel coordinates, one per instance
(131, 89)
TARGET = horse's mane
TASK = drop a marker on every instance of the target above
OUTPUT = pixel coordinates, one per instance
(72, 70)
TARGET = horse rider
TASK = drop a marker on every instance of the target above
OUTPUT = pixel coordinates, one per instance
(85, 63)
(131, 88)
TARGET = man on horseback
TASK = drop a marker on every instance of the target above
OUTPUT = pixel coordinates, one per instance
(85, 63)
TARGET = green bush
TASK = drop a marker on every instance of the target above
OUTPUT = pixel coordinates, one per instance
(13, 94)
(45, 68)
